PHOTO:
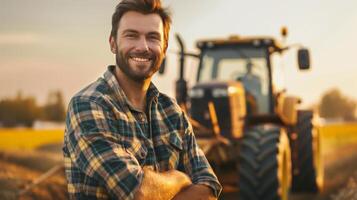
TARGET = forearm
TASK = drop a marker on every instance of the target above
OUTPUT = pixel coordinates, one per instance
(161, 186)
(196, 192)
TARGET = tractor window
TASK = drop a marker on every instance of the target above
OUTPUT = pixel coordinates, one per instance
(248, 66)
(278, 71)
(206, 72)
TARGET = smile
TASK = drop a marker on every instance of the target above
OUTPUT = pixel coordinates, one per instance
(138, 59)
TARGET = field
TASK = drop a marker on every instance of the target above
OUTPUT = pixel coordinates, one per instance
(335, 136)
(28, 139)
(26, 154)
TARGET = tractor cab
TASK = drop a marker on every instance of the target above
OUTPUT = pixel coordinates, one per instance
(244, 60)
(235, 77)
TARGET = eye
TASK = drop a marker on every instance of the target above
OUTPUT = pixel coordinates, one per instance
(154, 37)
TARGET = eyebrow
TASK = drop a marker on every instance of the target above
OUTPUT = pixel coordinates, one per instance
(130, 31)
(135, 31)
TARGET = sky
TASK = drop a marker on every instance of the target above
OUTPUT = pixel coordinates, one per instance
(50, 45)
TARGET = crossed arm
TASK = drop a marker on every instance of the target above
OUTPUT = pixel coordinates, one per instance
(172, 184)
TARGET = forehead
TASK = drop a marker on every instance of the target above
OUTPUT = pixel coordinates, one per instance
(141, 22)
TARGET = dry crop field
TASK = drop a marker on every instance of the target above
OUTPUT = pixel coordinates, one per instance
(26, 154)
(336, 136)
(28, 139)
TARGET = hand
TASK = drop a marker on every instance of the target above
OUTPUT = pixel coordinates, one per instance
(195, 192)
(164, 185)
(181, 178)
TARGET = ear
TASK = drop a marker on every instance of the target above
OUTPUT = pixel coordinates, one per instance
(113, 45)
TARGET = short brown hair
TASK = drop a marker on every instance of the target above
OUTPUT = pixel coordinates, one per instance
(144, 7)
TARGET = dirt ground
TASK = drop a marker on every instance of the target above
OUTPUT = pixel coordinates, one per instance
(19, 169)
(340, 176)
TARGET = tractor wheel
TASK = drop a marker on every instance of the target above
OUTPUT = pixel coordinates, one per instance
(307, 159)
(264, 164)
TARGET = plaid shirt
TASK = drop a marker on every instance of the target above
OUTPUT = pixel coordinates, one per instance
(107, 142)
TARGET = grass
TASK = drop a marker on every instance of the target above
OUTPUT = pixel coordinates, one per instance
(28, 139)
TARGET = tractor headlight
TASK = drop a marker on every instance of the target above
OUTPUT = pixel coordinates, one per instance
(219, 92)
(196, 93)
(232, 90)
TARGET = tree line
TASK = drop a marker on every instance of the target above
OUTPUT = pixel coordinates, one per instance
(334, 104)
(24, 111)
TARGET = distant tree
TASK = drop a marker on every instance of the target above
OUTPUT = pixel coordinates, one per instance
(18, 111)
(335, 105)
(54, 109)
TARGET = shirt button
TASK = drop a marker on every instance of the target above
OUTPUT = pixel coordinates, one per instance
(142, 154)
(141, 118)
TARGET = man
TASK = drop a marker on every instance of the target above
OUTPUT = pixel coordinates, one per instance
(123, 138)
(253, 88)
(251, 81)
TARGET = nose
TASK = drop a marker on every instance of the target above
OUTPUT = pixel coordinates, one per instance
(142, 44)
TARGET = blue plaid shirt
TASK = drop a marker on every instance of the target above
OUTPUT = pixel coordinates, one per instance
(108, 142)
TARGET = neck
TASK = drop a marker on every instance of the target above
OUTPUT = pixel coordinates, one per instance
(134, 90)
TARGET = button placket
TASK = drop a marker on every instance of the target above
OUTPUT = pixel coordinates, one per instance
(150, 141)
(150, 147)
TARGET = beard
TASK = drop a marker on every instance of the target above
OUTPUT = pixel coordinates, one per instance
(139, 72)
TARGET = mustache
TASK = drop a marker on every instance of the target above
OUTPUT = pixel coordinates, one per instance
(142, 54)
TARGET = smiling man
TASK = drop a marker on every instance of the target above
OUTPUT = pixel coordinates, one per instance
(126, 140)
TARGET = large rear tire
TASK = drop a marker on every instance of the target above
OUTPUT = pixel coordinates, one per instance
(264, 164)
(308, 171)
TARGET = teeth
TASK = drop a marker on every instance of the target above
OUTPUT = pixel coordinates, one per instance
(140, 59)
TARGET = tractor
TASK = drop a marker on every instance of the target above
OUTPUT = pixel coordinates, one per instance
(258, 141)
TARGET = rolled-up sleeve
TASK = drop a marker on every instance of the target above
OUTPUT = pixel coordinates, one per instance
(93, 145)
(195, 162)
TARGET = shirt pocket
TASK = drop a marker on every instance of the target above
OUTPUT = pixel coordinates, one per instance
(136, 148)
(169, 151)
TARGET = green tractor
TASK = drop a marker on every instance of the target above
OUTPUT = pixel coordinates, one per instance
(257, 140)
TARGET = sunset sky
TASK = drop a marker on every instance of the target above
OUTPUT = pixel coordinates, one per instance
(47, 45)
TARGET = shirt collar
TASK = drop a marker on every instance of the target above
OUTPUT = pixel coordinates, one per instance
(152, 93)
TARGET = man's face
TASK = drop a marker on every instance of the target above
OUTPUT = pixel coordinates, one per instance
(139, 45)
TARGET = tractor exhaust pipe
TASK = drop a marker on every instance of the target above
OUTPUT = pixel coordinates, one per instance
(181, 83)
